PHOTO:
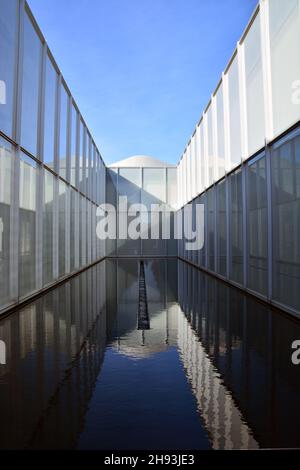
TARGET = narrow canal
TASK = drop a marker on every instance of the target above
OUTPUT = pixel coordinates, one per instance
(152, 355)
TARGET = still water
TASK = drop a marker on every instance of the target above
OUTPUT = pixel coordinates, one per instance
(158, 357)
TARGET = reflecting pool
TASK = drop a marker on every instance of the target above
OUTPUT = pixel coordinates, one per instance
(151, 355)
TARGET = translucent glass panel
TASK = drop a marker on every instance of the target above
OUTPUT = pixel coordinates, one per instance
(154, 186)
(111, 198)
(193, 253)
(286, 222)
(85, 154)
(179, 182)
(193, 167)
(254, 88)
(130, 246)
(49, 115)
(197, 161)
(184, 179)
(63, 133)
(89, 232)
(93, 173)
(210, 145)
(234, 114)
(93, 234)
(130, 183)
(81, 163)
(101, 182)
(8, 24)
(6, 166)
(180, 241)
(211, 229)
(73, 146)
(220, 133)
(172, 243)
(83, 231)
(74, 225)
(236, 227)
(188, 173)
(202, 252)
(30, 87)
(97, 179)
(257, 226)
(62, 248)
(155, 247)
(202, 168)
(172, 187)
(285, 181)
(27, 225)
(221, 228)
(285, 61)
(48, 227)
(39, 206)
(87, 165)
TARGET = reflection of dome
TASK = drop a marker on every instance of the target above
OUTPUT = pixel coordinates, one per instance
(141, 161)
(139, 344)
(136, 349)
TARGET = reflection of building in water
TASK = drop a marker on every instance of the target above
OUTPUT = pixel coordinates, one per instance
(55, 349)
(249, 345)
(162, 306)
(221, 416)
(162, 334)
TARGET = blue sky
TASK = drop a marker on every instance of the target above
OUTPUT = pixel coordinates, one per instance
(142, 71)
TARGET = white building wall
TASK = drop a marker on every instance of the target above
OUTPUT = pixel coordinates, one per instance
(257, 99)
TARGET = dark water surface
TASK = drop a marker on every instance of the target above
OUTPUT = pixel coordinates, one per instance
(211, 369)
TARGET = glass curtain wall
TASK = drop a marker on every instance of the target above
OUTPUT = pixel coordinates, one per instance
(147, 186)
(29, 172)
(31, 74)
(154, 192)
(222, 228)
(202, 258)
(129, 185)
(284, 20)
(51, 80)
(254, 88)
(62, 228)
(73, 230)
(63, 133)
(39, 214)
(257, 226)
(236, 228)
(211, 229)
(285, 160)
(48, 227)
(73, 146)
(8, 35)
(6, 168)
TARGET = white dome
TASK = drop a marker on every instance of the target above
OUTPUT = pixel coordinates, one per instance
(141, 161)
